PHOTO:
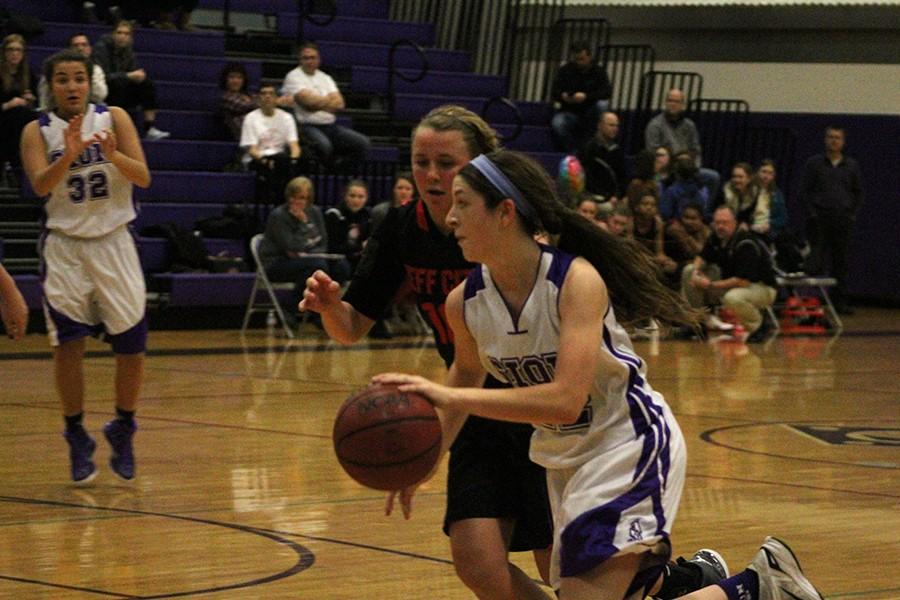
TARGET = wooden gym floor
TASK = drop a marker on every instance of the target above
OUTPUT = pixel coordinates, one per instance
(239, 496)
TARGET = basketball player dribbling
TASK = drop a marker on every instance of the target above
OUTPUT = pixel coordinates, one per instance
(83, 159)
(496, 497)
(540, 318)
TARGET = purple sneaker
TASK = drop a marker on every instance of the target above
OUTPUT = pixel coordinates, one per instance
(119, 435)
(81, 449)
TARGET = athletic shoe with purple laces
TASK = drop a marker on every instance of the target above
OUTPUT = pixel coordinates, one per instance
(81, 449)
(119, 434)
(780, 575)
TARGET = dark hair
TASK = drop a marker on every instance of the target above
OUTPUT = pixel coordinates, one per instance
(685, 166)
(75, 35)
(126, 22)
(579, 46)
(477, 134)
(306, 45)
(404, 174)
(267, 86)
(693, 206)
(835, 128)
(355, 183)
(22, 77)
(61, 57)
(635, 288)
(643, 164)
(767, 162)
(233, 67)
(745, 167)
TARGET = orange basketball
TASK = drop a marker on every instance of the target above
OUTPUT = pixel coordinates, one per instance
(387, 439)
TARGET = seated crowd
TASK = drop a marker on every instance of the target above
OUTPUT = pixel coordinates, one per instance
(663, 198)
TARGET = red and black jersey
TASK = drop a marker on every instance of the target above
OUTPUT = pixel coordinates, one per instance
(408, 248)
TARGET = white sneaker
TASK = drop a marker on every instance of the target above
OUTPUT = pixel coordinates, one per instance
(780, 575)
(157, 134)
(716, 324)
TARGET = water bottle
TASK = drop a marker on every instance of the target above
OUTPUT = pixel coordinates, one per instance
(271, 321)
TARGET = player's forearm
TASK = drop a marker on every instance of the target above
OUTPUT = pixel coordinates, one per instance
(553, 403)
(133, 170)
(344, 324)
(44, 180)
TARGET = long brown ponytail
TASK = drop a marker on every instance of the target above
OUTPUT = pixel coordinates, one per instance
(632, 278)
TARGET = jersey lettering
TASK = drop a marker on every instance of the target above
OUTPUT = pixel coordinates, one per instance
(96, 187)
(523, 371)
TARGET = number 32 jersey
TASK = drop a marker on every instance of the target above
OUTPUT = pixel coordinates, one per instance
(94, 198)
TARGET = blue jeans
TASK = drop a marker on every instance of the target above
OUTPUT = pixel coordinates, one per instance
(570, 130)
(337, 146)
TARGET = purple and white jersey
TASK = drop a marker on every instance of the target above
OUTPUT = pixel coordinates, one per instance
(621, 407)
(94, 198)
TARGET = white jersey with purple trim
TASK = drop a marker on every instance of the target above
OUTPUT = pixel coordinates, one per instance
(621, 407)
(94, 198)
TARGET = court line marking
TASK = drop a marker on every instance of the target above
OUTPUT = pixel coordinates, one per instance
(707, 436)
(305, 558)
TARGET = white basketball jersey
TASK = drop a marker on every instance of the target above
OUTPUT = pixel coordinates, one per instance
(621, 406)
(94, 198)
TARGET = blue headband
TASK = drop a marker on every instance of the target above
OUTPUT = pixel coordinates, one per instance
(500, 181)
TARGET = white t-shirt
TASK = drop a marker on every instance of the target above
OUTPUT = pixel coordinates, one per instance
(320, 83)
(269, 134)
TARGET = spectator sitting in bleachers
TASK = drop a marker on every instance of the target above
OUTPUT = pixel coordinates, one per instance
(770, 219)
(649, 231)
(672, 129)
(17, 99)
(588, 207)
(741, 194)
(688, 232)
(682, 187)
(175, 14)
(270, 137)
(236, 100)
(80, 43)
(644, 176)
(348, 223)
(295, 239)
(128, 84)
(603, 161)
(582, 90)
(403, 192)
(734, 269)
(316, 100)
(620, 222)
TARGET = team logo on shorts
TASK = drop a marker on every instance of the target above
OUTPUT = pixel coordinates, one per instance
(635, 533)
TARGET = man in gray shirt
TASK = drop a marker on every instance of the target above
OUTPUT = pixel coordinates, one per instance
(676, 132)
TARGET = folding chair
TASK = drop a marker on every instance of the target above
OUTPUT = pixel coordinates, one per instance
(271, 288)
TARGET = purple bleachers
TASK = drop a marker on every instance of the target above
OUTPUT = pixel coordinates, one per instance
(345, 54)
(172, 67)
(206, 289)
(154, 252)
(189, 124)
(374, 80)
(30, 286)
(375, 9)
(412, 107)
(189, 155)
(57, 10)
(531, 138)
(187, 95)
(187, 186)
(182, 214)
(354, 29)
(56, 35)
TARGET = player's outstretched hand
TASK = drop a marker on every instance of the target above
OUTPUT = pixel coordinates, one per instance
(321, 292)
(72, 137)
(405, 495)
(439, 395)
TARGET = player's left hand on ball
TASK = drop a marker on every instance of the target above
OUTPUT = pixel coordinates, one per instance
(438, 395)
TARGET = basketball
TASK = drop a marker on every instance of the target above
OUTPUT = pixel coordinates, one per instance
(386, 439)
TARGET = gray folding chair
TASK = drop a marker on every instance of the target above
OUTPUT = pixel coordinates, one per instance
(258, 302)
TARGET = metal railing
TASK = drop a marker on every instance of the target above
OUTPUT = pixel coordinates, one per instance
(393, 71)
(509, 104)
(722, 126)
